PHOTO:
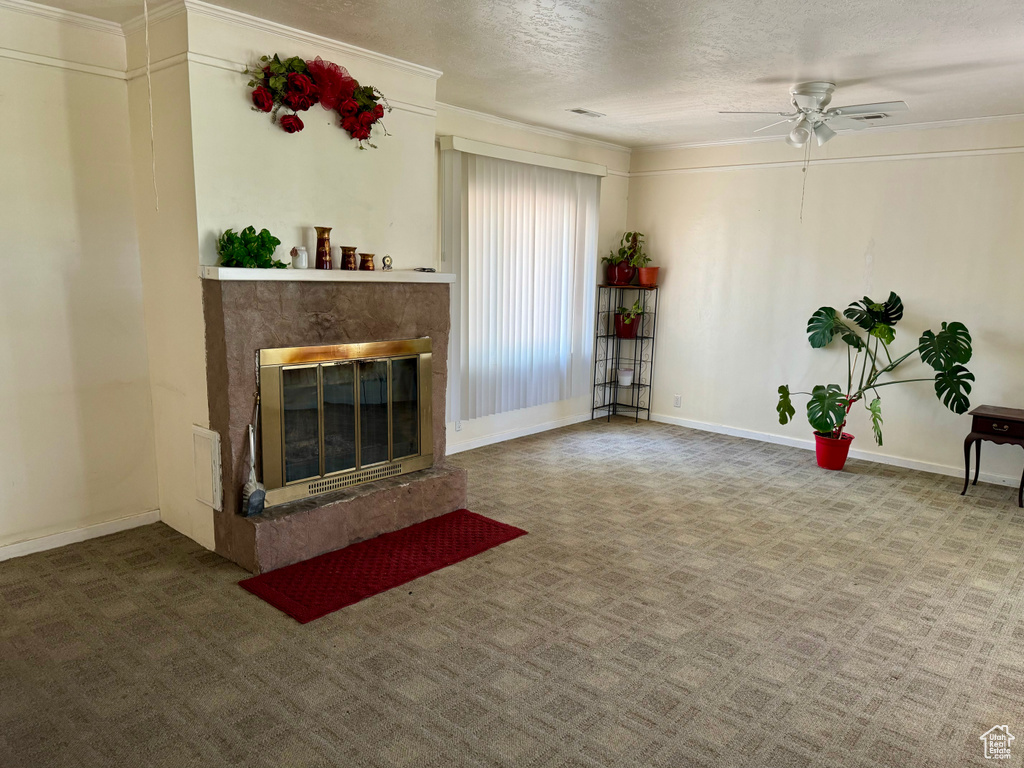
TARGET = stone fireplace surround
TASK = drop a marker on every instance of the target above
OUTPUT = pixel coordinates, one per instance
(244, 316)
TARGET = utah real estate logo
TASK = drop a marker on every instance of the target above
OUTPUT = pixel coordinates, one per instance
(997, 742)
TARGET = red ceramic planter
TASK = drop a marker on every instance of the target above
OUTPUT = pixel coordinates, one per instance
(620, 274)
(832, 452)
(626, 330)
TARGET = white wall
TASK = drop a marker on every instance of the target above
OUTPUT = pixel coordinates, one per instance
(452, 121)
(249, 171)
(77, 446)
(935, 215)
(168, 240)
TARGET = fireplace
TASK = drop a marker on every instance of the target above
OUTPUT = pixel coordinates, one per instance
(341, 415)
(255, 316)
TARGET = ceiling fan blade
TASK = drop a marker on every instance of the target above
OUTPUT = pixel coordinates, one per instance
(777, 122)
(869, 109)
(847, 123)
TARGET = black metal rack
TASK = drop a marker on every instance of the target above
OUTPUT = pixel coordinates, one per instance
(610, 351)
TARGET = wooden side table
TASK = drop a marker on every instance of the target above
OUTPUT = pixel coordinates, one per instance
(1004, 426)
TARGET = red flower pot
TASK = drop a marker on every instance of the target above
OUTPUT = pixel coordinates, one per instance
(626, 330)
(832, 451)
(648, 276)
(620, 274)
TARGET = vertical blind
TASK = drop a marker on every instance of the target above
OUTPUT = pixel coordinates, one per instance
(522, 242)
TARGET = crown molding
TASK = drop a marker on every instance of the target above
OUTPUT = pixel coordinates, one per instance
(199, 8)
(239, 68)
(832, 161)
(871, 130)
(71, 66)
(65, 17)
(551, 132)
(156, 15)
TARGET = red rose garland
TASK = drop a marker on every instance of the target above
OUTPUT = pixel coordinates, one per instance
(298, 85)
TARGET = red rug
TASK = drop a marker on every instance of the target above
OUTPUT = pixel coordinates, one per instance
(324, 584)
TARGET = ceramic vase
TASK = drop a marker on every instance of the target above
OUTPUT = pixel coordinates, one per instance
(348, 257)
(323, 248)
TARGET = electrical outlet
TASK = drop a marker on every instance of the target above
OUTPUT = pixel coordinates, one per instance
(677, 401)
(458, 426)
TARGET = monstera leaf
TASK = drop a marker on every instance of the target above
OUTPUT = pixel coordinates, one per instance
(826, 409)
(948, 347)
(785, 407)
(952, 387)
(825, 324)
(878, 319)
(875, 407)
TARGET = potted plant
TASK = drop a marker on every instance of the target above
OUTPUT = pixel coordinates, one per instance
(619, 271)
(829, 405)
(621, 267)
(647, 276)
(249, 249)
(626, 323)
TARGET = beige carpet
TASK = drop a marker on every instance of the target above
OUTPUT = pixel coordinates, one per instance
(683, 599)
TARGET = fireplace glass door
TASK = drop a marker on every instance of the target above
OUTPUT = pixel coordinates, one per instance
(329, 422)
(339, 417)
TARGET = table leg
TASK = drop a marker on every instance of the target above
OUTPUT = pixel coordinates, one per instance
(1020, 493)
(977, 460)
(967, 462)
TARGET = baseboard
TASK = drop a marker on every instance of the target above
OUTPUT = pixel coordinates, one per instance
(512, 434)
(78, 534)
(895, 461)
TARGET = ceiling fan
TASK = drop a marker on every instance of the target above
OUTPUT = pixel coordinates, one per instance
(813, 117)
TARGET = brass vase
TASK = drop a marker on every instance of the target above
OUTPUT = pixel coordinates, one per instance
(348, 257)
(366, 261)
(323, 248)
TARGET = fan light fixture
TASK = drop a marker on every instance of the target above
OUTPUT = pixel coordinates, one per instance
(800, 134)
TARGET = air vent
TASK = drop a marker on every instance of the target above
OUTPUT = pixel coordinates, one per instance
(586, 112)
(879, 116)
(366, 475)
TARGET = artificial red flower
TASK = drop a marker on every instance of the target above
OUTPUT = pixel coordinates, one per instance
(361, 133)
(292, 123)
(263, 99)
(299, 101)
(367, 118)
(350, 123)
(299, 83)
(348, 107)
(378, 111)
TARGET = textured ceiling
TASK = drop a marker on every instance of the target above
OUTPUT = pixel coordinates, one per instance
(661, 69)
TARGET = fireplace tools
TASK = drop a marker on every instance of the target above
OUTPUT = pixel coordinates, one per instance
(253, 493)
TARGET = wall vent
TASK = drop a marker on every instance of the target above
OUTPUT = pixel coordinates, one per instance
(585, 112)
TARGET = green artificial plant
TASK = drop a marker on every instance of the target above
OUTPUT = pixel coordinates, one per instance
(249, 249)
(629, 314)
(630, 250)
(945, 352)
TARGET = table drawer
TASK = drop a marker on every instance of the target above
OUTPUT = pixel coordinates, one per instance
(1002, 427)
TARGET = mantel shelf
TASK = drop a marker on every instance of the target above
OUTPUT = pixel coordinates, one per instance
(324, 275)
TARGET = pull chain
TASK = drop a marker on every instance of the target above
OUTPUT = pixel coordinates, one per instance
(803, 188)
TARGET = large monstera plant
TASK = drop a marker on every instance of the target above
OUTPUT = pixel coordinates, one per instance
(869, 364)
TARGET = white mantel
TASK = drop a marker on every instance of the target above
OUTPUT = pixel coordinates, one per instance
(325, 275)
